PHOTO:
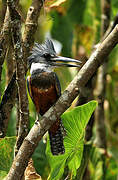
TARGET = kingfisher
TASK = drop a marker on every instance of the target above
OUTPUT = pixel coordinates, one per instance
(44, 86)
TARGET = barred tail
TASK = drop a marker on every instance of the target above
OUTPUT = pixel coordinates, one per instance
(56, 138)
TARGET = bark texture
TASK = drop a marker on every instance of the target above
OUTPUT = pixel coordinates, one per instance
(27, 42)
(20, 72)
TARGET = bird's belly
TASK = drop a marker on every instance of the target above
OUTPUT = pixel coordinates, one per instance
(44, 98)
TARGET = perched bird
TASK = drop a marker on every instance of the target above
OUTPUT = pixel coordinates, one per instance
(44, 86)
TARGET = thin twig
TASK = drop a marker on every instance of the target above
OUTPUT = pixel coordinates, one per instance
(40, 128)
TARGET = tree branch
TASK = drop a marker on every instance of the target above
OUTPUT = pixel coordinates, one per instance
(9, 96)
(31, 27)
(7, 103)
(28, 40)
(20, 73)
(40, 128)
(4, 39)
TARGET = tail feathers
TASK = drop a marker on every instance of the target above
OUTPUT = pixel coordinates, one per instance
(56, 139)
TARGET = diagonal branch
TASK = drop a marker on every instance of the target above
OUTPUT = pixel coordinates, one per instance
(40, 128)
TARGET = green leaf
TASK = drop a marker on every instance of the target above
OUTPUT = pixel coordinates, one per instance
(57, 165)
(114, 6)
(84, 162)
(75, 123)
(6, 153)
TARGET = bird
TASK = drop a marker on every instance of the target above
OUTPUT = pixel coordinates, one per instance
(44, 86)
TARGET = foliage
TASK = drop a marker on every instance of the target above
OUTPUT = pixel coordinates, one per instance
(6, 154)
(102, 166)
(75, 123)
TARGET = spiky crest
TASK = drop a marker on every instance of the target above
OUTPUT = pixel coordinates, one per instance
(40, 50)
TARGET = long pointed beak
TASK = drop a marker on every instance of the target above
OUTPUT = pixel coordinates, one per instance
(64, 61)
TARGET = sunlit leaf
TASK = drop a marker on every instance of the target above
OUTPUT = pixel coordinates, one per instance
(74, 122)
(53, 3)
(84, 162)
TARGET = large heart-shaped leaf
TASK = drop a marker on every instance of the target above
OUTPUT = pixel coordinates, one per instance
(75, 123)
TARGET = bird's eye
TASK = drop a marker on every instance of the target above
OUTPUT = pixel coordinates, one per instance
(47, 56)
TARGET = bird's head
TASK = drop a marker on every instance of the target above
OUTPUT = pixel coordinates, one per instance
(44, 56)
